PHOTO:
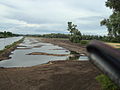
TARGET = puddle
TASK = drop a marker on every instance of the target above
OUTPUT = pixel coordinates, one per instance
(77, 56)
(83, 58)
(48, 52)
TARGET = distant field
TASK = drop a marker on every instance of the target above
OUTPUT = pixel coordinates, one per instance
(115, 45)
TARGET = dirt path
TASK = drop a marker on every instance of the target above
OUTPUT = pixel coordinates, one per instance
(57, 75)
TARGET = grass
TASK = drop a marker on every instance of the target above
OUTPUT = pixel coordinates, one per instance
(115, 45)
(84, 42)
(106, 83)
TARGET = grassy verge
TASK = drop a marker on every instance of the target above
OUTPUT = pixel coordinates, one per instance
(106, 83)
(14, 44)
(84, 42)
(115, 45)
(7, 50)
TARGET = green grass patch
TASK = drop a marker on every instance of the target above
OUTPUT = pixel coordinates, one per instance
(106, 83)
(84, 42)
(117, 45)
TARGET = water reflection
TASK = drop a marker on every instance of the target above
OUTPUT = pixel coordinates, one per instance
(20, 57)
(7, 41)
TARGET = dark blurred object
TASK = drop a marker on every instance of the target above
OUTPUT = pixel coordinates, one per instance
(106, 58)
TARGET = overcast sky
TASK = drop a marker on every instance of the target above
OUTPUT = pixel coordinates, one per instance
(51, 16)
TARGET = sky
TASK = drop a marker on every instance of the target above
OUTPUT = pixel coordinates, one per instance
(51, 16)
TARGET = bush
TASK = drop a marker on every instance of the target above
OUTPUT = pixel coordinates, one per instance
(106, 83)
(116, 40)
(75, 38)
(84, 42)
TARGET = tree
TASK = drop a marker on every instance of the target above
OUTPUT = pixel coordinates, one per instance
(113, 4)
(6, 34)
(113, 23)
(75, 33)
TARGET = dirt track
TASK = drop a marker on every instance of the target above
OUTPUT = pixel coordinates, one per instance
(57, 75)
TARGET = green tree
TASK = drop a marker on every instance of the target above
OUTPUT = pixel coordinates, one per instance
(113, 23)
(113, 4)
(6, 34)
(75, 33)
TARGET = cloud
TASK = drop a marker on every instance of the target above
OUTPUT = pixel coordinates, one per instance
(47, 16)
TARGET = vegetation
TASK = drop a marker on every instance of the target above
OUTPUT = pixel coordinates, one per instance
(55, 35)
(101, 38)
(7, 34)
(84, 37)
(84, 42)
(75, 56)
(113, 23)
(106, 83)
(75, 33)
(113, 26)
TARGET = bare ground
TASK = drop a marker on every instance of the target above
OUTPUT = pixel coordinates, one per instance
(56, 75)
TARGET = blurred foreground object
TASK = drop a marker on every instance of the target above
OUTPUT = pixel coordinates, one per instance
(106, 58)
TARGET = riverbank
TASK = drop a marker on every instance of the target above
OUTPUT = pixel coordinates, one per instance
(5, 53)
(55, 75)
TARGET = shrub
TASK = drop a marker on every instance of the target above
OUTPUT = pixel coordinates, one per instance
(75, 38)
(106, 83)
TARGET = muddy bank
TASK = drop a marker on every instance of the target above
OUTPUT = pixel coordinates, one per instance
(66, 44)
(57, 75)
(42, 53)
(5, 53)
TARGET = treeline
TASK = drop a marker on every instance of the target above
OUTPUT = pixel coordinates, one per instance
(54, 35)
(7, 34)
(84, 37)
(101, 38)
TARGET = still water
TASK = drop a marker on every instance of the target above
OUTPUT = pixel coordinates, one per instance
(7, 41)
(20, 57)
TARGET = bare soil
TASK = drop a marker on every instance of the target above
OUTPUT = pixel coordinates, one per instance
(42, 53)
(56, 75)
(5, 54)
